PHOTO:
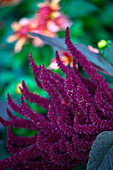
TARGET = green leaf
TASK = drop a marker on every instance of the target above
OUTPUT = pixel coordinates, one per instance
(85, 8)
(54, 42)
(108, 53)
(5, 11)
(107, 163)
(102, 149)
(4, 58)
(58, 44)
(106, 14)
(3, 150)
(3, 113)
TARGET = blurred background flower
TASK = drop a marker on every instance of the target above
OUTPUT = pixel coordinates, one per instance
(66, 58)
(47, 21)
(4, 3)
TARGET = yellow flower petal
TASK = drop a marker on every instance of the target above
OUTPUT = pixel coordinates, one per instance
(54, 15)
(19, 45)
(65, 60)
(15, 26)
(12, 38)
(18, 91)
(55, 4)
(102, 44)
(33, 25)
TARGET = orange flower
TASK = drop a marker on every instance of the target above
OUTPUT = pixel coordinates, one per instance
(47, 21)
(66, 58)
(4, 3)
(53, 20)
(92, 49)
(20, 32)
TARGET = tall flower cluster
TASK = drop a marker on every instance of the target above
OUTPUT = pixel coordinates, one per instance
(48, 20)
(78, 110)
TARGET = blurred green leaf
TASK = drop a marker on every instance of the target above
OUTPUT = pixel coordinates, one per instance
(108, 53)
(3, 150)
(79, 8)
(106, 14)
(5, 11)
(76, 29)
(6, 76)
(5, 60)
(23, 132)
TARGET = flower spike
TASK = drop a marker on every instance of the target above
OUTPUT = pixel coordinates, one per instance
(78, 110)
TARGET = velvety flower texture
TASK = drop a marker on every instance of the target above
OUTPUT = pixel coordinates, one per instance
(78, 110)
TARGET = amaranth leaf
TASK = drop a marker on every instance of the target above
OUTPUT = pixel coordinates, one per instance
(101, 154)
(58, 44)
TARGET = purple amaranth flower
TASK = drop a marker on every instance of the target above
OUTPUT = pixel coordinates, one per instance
(78, 110)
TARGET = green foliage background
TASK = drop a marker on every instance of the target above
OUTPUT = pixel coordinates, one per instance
(92, 21)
